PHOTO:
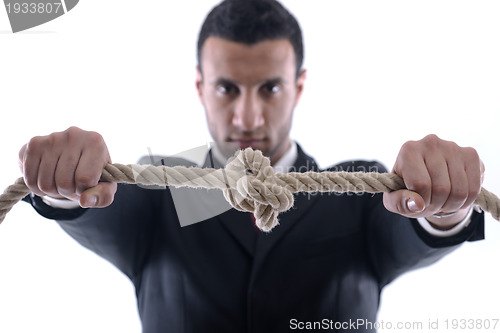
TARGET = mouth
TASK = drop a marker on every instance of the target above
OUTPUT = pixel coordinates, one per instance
(248, 142)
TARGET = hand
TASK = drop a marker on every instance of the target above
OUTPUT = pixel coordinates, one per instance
(68, 165)
(441, 178)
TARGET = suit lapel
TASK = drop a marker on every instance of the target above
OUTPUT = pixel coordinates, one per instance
(237, 224)
(288, 220)
(240, 226)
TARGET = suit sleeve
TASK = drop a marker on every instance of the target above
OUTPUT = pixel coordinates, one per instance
(119, 233)
(123, 232)
(397, 244)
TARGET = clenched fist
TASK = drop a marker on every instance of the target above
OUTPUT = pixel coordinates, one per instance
(68, 165)
(442, 178)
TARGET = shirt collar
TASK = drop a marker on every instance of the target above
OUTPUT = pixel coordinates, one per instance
(284, 164)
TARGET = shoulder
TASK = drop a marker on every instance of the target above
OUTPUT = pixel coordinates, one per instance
(347, 166)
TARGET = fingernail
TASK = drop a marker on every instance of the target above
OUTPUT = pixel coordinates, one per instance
(91, 201)
(412, 206)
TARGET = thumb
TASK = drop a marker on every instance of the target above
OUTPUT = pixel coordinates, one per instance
(404, 202)
(101, 195)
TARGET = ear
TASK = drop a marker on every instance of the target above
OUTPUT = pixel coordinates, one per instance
(199, 83)
(300, 85)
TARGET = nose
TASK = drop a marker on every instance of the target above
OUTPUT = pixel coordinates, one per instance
(247, 114)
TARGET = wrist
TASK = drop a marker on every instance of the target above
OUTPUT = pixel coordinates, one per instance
(427, 226)
(446, 221)
(63, 203)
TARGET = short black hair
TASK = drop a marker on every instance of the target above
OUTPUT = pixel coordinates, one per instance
(251, 22)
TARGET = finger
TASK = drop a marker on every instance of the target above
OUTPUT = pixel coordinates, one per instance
(404, 202)
(416, 177)
(46, 174)
(22, 152)
(474, 169)
(30, 163)
(440, 182)
(65, 174)
(30, 171)
(483, 170)
(101, 195)
(459, 186)
(90, 166)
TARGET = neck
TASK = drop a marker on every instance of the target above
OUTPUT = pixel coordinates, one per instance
(281, 150)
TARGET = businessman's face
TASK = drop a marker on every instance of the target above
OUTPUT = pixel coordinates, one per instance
(249, 93)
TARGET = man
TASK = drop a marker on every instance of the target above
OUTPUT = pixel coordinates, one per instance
(331, 255)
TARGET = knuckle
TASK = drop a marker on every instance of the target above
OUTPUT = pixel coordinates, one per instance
(75, 135)
(95, 139)
(421, 186)
(52, 140)
(46, 187)
(22, 152)
(441, 189)
(32, 184)
(471, 153)
(475, 191)
(72, 131)
(42, 144)
(432, 137)
(408, 150)
(408, 146)
(67, 163)
(432, 143)
(35, 144)
(65, 185)
(86, 180)
(459, 194)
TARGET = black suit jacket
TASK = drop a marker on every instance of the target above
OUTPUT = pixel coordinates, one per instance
(326, 262)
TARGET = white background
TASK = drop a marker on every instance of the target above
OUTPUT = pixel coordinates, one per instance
(379, 73)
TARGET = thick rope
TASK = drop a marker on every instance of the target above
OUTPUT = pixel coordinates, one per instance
(250, 184)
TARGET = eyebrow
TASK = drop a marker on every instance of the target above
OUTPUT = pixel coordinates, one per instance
(275, 80)
(226, 81)
(223, 81)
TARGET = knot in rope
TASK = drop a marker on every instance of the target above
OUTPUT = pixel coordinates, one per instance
(257, 190)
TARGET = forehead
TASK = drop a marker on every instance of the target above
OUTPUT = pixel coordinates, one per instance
(238, 61)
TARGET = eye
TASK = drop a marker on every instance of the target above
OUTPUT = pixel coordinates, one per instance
(226, 89)
(271, 88)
